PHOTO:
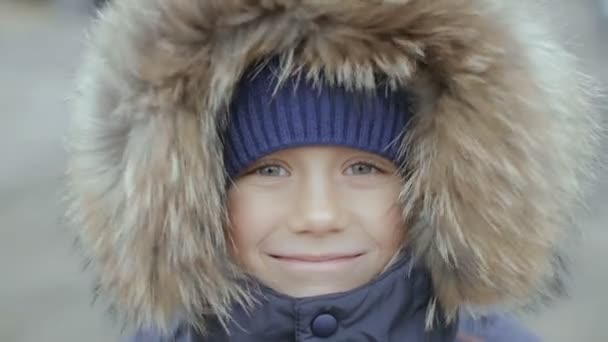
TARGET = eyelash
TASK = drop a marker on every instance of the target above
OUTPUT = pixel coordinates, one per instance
(264, 165)
(373, 164)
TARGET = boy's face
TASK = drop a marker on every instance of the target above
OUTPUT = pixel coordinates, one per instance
(316, 220)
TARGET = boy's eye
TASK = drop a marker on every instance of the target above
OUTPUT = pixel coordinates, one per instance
(362, 169)
(271, 171)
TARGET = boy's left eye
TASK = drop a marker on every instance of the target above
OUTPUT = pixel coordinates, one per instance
(362, 169)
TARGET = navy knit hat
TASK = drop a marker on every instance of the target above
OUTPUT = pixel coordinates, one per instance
(265, 120)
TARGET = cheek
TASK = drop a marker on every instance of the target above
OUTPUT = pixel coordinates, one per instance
(251, 221)
(379, 213)
(388, 230)
(395, 228)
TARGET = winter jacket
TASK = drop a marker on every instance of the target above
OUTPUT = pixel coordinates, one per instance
(391, 308)
(497, 150)
(394, 307)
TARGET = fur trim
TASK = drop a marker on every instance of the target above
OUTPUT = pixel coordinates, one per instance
(501, 138)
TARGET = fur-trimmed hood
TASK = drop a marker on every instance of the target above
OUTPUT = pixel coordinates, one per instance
(502, 134)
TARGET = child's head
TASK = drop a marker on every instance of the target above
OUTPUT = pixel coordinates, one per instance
(314, 203)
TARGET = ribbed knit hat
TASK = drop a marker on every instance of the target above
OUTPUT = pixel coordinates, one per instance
(265, 119)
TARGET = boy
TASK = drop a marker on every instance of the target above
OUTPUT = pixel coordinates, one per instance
(324, 170)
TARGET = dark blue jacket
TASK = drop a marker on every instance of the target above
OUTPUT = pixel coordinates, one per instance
(393, 307)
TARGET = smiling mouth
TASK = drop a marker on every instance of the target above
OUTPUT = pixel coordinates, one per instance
(316, 258)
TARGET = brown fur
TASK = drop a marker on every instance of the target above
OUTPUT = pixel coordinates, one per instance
(502, 135)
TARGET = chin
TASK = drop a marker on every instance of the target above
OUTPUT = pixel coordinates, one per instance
(319, 290)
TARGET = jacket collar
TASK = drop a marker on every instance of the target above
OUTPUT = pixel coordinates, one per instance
(392, 307)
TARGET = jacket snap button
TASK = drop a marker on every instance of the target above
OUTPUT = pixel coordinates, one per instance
(324, 325)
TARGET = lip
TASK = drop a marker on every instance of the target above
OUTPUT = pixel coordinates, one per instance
(316, 263)
(316, 258)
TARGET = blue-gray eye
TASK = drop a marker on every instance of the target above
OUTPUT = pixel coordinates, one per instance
(361, 169)
(271, 171)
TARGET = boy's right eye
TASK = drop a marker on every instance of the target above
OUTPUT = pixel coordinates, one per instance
(271, 171)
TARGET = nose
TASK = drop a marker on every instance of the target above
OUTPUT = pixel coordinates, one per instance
(318, 209)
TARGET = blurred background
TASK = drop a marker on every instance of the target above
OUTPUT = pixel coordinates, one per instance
(45, 294)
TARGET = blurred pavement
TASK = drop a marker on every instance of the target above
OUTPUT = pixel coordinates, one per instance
(45, 295)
